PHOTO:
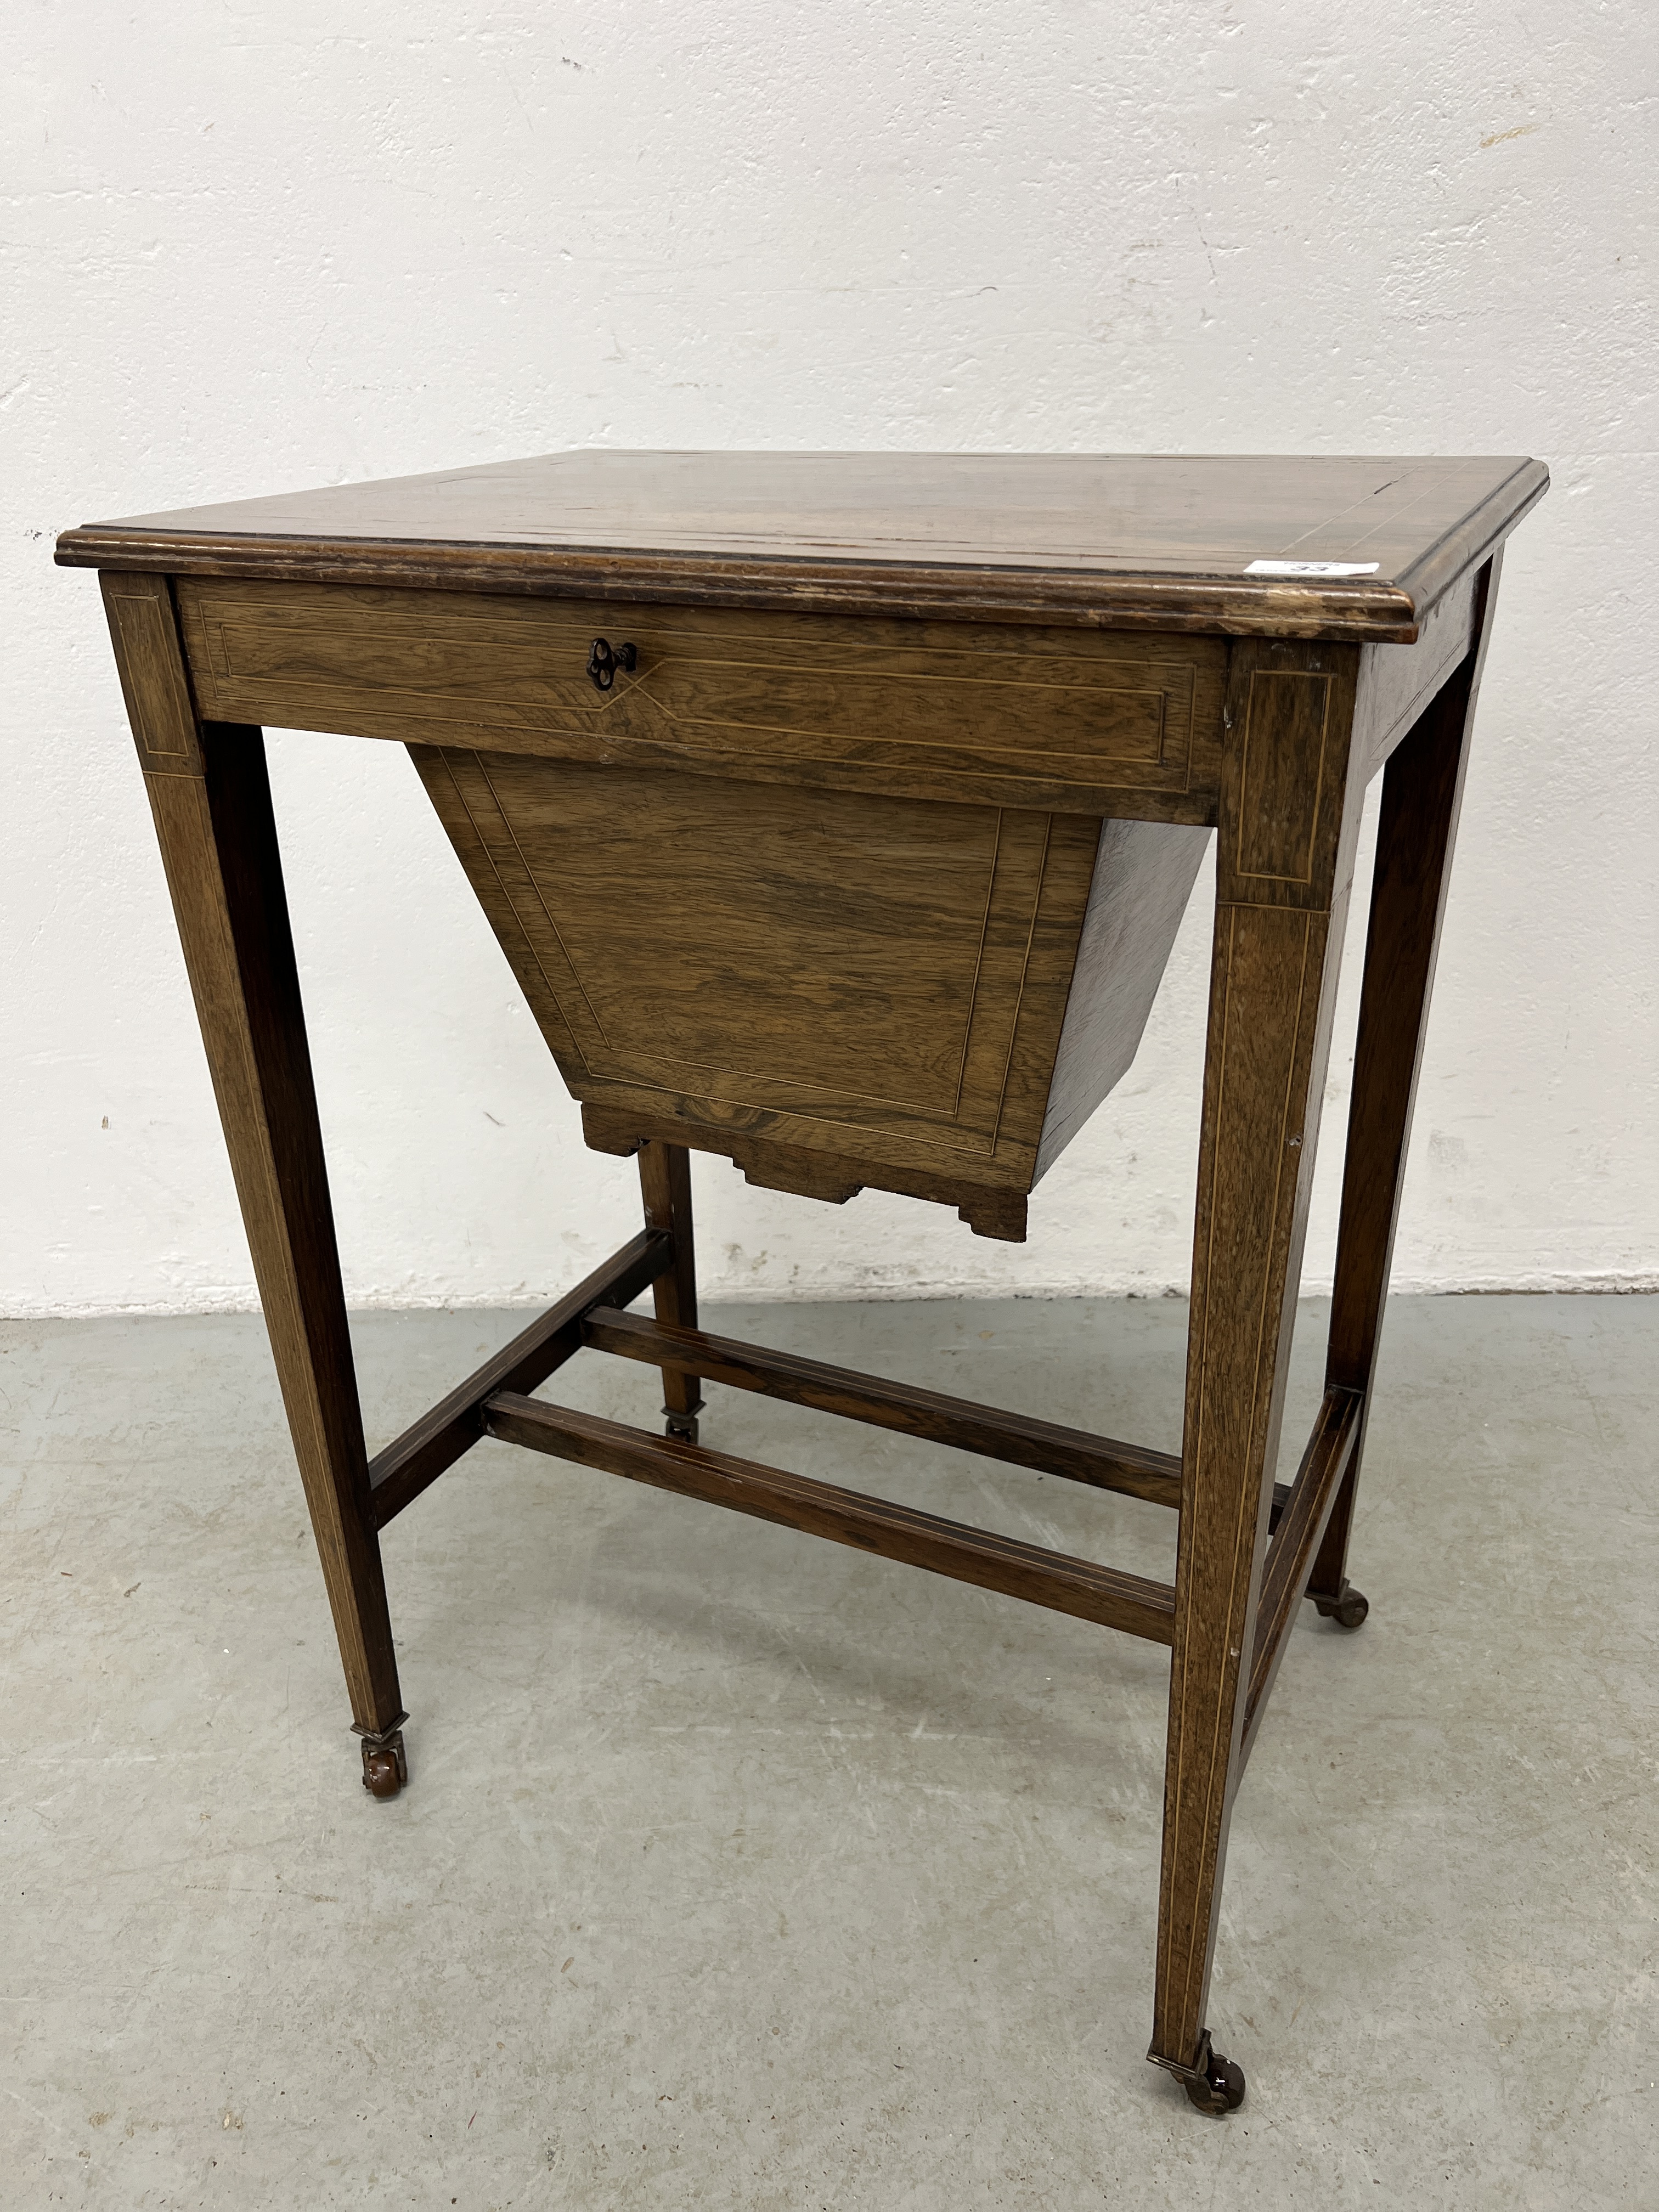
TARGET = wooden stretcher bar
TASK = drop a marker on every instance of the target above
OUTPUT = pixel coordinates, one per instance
(1016, 1438)
(455, 1423)
(819, 1509)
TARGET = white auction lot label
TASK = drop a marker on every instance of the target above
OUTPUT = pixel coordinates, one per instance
(1312, 568)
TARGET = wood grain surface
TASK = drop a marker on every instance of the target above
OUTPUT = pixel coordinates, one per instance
(1397, 682)
(1116, 539)
(1062, 1584)
(867, 977)
(1290, 813)
(210, 798)
(996, 716)
(1416, 832)
(1290, 1556)
(832, 1177)
(414, 1460)
(665, 1193)
(1016, 1439)
(863, 872)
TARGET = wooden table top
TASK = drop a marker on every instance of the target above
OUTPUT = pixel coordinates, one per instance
(1114, 539)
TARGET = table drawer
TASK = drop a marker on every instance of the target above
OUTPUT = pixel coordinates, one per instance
(1063, 718)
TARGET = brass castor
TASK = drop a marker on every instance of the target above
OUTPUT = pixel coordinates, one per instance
(683, 1425)
(1219, 2089)
(386, 1769)
(1347, 1610)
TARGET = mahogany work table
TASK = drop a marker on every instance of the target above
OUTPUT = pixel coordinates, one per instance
(836, 813)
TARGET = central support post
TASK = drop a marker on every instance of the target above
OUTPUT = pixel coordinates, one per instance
(665, 1188)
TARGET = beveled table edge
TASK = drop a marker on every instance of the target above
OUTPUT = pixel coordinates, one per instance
(1388, 612)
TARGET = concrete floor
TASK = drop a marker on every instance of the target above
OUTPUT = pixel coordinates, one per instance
(742, 1871)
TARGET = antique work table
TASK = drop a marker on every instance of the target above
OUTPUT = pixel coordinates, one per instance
(836, 813)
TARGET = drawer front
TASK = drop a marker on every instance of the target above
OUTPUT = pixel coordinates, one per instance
(1067, 720)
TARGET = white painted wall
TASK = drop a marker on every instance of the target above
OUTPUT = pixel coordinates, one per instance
(253, 247)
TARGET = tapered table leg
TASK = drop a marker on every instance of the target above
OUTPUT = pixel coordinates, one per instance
(666, 1186)
(210, 797)
(1288, 817)
(1417, 828)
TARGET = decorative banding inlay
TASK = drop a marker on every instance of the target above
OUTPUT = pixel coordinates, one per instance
(1278, 802)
